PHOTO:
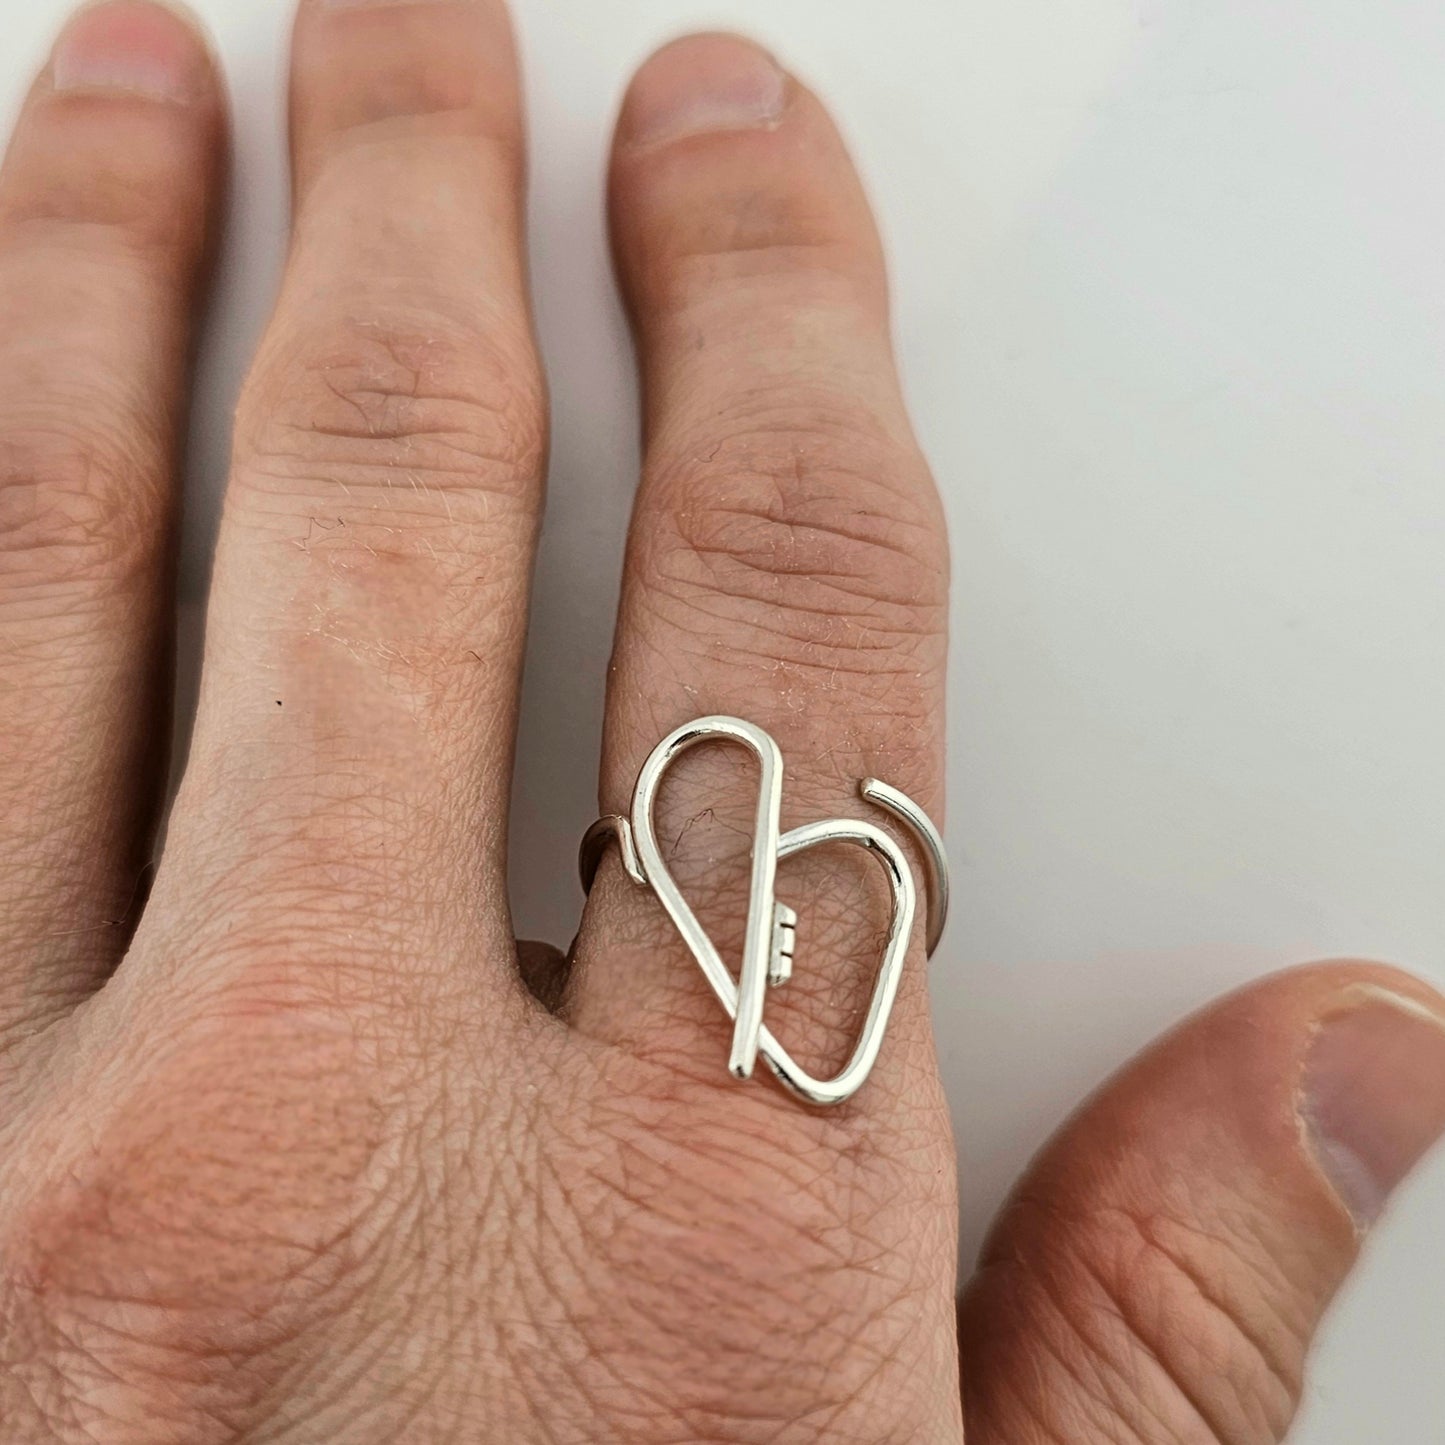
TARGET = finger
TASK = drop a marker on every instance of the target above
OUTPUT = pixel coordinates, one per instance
(786, 564)
(1160, 1271)
(106, 201)
(369, 600)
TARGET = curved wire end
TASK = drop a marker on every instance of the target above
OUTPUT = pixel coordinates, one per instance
(594, 845)
(900, 806)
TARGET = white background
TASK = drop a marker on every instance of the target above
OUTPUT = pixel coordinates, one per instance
(1171, 303)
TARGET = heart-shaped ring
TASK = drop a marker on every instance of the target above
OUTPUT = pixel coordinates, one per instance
(770, 937)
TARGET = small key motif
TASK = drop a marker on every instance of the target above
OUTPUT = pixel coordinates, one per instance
(785, 943)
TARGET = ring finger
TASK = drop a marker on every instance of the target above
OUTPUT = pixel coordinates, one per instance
(786, 565)
(787, 561)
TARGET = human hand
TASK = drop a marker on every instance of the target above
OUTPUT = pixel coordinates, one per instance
(303, 1160)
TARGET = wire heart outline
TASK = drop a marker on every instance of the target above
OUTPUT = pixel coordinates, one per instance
(744, 998)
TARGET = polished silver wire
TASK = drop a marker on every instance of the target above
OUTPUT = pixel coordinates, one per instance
(771, 932)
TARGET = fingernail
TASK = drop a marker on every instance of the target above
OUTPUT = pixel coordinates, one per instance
(133, 47)
(1373, 1099)
(704, 83)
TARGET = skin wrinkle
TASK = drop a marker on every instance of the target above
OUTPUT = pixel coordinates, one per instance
(1150, 1353)
(791, 646)
(1287, 1374)
(105, 213)
(58, 511)
(1144, 1230)
(421, 405)
(1045, 1401)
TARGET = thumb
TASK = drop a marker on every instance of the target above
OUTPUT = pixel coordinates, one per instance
(1160, 1271)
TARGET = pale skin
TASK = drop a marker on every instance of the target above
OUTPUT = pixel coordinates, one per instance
(307, 1148)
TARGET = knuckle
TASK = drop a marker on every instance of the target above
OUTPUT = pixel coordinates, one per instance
(414, 75)
(121, 183)
(75, 511)
(1171, 1322)
(178, 1243)
(779, 261)
(780, 234)
(393, 409)
(820, 539)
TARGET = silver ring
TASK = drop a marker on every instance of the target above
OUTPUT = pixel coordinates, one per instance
(771, 935)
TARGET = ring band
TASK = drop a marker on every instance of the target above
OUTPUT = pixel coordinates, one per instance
(771, 934)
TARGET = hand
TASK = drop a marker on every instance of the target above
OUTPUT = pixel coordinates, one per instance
(298, 1157)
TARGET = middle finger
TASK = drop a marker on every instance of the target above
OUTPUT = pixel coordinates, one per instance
(368, 609)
